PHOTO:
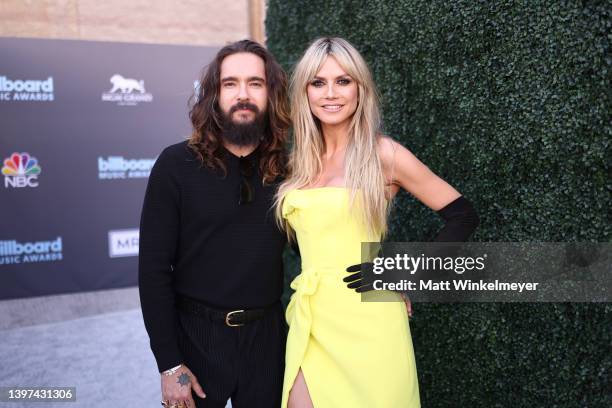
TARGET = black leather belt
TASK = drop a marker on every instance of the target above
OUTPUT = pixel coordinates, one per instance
(231, 318)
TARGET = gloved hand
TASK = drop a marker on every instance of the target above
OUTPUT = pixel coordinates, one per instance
(360, 284)
(356, 279)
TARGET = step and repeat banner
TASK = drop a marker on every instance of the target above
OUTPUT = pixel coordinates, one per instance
(81, 124)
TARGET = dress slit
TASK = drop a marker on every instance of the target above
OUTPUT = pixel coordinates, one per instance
(305, 383)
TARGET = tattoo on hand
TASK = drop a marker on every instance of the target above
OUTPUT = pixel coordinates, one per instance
(184, 379)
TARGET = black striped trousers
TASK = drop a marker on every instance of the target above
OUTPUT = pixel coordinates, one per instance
(243, 363)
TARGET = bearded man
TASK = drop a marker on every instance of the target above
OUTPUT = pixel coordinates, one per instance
(210, 262)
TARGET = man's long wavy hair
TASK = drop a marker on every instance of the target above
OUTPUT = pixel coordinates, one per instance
(206, 115)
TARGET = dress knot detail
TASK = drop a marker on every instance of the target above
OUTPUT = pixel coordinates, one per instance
(306, 283)
(293, 201)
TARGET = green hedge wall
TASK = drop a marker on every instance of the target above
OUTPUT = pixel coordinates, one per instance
(509, 101)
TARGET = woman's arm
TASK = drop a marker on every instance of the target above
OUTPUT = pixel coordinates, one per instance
(403, 169)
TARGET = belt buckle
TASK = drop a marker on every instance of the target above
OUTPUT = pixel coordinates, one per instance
(227, 319)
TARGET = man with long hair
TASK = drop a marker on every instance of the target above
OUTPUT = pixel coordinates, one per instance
(210, 264)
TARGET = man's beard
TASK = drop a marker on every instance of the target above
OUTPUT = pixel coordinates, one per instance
(243, 134)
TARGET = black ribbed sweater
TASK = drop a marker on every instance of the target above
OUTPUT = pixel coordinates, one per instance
(196, 240)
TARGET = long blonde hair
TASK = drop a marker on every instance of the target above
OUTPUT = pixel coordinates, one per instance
(362, 166)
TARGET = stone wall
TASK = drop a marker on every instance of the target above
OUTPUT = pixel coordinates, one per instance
(192, 22)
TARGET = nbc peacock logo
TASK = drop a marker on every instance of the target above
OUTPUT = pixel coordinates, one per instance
(21, 170)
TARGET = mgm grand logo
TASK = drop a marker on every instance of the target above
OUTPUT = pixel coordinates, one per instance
(126, 91)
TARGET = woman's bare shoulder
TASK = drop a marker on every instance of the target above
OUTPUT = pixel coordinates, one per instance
(388, 149)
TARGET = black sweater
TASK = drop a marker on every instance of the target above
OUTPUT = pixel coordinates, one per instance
(196, 240)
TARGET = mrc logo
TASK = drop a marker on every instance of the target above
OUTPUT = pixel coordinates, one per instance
(123, 242)
(21, 170)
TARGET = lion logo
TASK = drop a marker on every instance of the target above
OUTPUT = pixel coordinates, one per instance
(126, 85)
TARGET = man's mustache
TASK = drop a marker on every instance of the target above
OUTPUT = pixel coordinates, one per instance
(243, 105)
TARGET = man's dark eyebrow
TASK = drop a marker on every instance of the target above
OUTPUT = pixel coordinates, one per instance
(253, 78)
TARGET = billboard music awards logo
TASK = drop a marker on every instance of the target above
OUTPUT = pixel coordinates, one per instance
(123, 242)
(20, 170)
(126, 91)
(117, 167)
(14, 252)
(31, 90)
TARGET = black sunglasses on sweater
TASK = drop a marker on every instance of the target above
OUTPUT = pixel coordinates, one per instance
(246, 190)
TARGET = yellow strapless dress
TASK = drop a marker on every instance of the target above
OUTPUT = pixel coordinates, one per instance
(352, 353)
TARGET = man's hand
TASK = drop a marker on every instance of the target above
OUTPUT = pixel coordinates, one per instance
(408, 303)
(176, 388)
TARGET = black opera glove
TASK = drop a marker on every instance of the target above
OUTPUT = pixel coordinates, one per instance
(356, 279)
(460, 221)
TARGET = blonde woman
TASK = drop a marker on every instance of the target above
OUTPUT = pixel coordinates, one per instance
(342, 352)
